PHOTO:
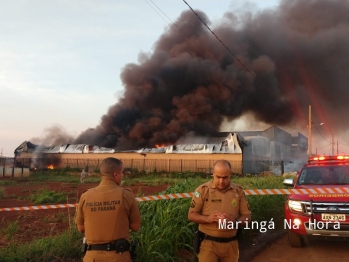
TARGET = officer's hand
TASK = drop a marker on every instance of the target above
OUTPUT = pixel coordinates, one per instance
(214, 217)
(228, 217)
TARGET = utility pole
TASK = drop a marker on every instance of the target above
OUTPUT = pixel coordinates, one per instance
(309, 133)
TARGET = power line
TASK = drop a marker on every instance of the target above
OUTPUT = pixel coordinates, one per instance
(265, 86)
(245, 67)
(156, 10)
(164, 15)
(322, 135)
(323, 146)
(259, 81)
(342, 144)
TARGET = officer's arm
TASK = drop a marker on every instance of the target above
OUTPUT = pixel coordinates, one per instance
(198, 218)
(81, 228)
(79, 219)
(195, 211)
(245, 210)
(135, 217)
(135, 226)
(133, 210)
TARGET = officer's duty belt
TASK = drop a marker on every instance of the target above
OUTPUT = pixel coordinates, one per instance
(105, 247)
(220, 239)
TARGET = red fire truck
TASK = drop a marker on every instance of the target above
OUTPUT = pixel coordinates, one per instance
(319, 214)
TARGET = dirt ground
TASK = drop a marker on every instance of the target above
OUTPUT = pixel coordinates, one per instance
(42, 223)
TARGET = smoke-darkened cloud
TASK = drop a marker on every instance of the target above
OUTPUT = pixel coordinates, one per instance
(189, 82)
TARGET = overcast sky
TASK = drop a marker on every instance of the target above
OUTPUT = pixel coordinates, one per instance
(60, 61)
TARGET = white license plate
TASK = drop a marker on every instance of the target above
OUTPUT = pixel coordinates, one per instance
(333, 217)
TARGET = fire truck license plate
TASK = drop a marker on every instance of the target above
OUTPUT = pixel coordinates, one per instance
(333, 217)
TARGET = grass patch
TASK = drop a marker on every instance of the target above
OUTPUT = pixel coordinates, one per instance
(160, 178)
(53, 176)
(8, 182)
(64, 247)
(56, 218)
(9, 229)
(60, 175)
(45, 196)
(2, 192)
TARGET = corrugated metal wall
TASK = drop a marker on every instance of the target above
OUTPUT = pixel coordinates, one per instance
(159, 162)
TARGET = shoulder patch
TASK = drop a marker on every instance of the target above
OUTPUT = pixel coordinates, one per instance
(203, 186)
(128, 192)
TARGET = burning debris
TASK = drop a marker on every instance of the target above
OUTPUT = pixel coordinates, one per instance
(190, 82)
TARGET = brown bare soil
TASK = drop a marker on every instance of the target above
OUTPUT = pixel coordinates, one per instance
(42, 223)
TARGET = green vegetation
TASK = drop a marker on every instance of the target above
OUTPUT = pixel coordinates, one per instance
(45, 196)
(64, 247)
(8, 182)
(160, 178)
(2, 192)
(60, 175)
(56, 218)
(9, 229)
(53, 176)
(165, 233)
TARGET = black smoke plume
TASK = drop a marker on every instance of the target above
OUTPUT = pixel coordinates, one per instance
(190, 82)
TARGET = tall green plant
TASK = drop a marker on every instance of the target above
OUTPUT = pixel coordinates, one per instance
(165, 230)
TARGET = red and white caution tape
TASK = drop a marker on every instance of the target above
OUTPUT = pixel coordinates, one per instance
(164, 197)
(313, 191)
(37, 207)
(296, 191)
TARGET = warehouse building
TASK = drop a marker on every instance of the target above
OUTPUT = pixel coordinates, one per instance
(272, 150)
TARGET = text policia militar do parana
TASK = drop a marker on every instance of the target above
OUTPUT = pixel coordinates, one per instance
(102, 206)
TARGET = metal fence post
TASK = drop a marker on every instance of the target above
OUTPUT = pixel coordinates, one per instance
(13, 167)
(3, 173)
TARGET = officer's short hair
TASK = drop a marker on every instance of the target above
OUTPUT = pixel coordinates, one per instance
(110, 165)
(223, 161)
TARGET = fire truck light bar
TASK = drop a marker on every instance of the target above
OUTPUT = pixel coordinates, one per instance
(327, 158)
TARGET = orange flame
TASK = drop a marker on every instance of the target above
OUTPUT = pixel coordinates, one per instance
(159, 145)
(50, 167)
